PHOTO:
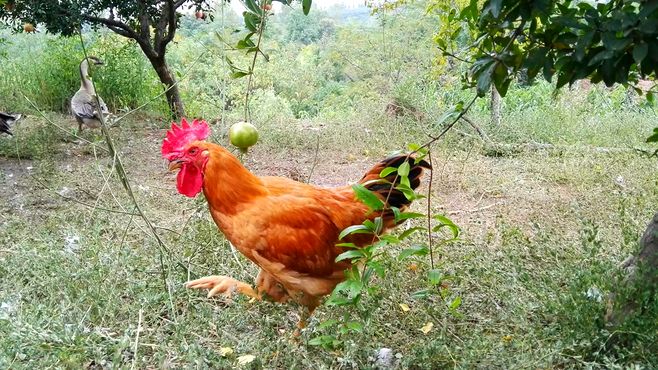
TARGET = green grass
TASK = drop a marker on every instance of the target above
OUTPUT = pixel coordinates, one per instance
(539, 230)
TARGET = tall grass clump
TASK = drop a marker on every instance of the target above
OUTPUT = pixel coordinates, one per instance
(48, 73)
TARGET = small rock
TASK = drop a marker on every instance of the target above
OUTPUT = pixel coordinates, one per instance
(594, 293)
(619, 181)
(71, 244)
(384, 358)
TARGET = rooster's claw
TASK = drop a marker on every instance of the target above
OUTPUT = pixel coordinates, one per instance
(223, 285)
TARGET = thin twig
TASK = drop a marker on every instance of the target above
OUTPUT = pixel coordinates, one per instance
(479, 209)
(477, 129)
(261, 27)
(38, 181)
(315, 159)
(447, 128)
(123, 177)
(125, 231)
(430, 239)
(139, 328)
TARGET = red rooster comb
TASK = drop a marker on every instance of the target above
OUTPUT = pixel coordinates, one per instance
(179, 136)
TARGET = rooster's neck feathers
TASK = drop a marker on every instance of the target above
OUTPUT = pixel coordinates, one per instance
(227, 184)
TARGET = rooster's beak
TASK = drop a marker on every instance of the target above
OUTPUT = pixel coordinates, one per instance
(175, 164)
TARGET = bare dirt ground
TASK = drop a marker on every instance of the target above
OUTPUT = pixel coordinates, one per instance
(477, 191)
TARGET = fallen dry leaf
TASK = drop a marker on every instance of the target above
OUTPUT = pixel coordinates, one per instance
(404, 307)
(246, 359)
(427, 328)
(225, 351)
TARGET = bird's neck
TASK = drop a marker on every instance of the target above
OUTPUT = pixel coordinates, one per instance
(227, 184)
(85, 83)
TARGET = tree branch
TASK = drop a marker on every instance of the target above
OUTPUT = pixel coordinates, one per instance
(126, 31)
(168, 20)
(144, 20)
(119, 31)
(171, 32)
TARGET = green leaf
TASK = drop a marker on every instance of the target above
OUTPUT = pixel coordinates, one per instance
(347, 245)
(351, 254)
(387, 171)
(413, 147)
(434, 277)
(354, 326)
(354, 229)
(416, 250)
(251, 21)
(377, 267)
(407, 215)
(405, 234)
(611, 42)
(653, 138)
(390, 239)
(253, 6)
(325, 341)
(404, 168)
(455, 303)
(451, 114)
(379, 225)
(408, 192)
(640, 52)
(327, 323)
(446, 222)
(493, 7)
(352, 287)
(367, 197)
(484, 80)
(421, 294)
(306, 6)
(239, 74)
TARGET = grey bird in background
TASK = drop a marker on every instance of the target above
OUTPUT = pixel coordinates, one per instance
(83, 104)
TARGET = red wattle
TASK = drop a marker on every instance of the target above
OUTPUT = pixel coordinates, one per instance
(189, 181)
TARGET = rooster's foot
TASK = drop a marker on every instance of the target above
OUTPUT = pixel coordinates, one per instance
(223, 285)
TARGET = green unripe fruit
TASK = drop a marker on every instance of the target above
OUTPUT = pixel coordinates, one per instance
(243, 135)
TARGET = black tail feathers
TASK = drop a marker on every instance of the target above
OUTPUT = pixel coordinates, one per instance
(382, 186)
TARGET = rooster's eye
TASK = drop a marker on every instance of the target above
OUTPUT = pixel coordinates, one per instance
(193, 151)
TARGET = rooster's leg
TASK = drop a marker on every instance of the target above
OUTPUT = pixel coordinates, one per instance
(303, 318)
(222, 285)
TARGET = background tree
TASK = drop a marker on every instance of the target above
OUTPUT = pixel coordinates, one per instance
(151, 23)
(614, 42)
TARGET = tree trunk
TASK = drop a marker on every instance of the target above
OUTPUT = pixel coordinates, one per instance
(167, 78)
(495, 106)
(641, 273)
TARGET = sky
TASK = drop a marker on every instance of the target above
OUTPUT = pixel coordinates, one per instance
(238, 7)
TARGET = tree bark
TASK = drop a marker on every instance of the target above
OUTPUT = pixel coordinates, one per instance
(641, 275)
(495, 106)
(172, 93)
(154, 46)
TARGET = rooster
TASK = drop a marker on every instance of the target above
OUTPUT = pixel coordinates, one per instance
(289, 229)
